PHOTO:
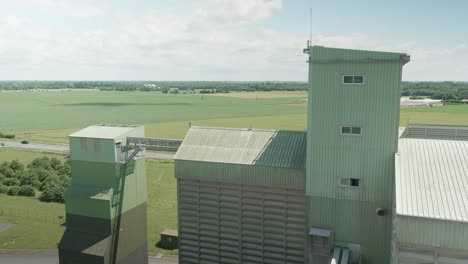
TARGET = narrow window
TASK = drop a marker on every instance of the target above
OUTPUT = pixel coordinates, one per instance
(350, 130)
(350, 182)
(347, 79)
(356, 130)
(353, 79)
(354, 182)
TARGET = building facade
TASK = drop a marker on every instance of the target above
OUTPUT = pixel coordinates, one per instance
(353, 120)
(355, 188)
(105, 202)
(241, 196)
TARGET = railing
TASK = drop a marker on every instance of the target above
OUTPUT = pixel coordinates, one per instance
(432, 131)
(156, 144)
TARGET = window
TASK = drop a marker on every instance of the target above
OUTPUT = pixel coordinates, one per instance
(350, 130)
(353, 79)
(350, 182)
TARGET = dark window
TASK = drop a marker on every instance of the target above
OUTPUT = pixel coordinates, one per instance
(350, 182)
(353, 79)
(348, 79)
(354, 182)
(346, 130)
(356, 130)
(350, 130)
(359, 79)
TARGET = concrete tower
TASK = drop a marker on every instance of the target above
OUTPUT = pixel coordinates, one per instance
(106, 200)
(353, 121)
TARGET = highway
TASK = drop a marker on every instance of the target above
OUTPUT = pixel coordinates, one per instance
(65, 149)
(52, 258)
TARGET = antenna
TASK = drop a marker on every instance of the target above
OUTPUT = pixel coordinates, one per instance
(310, 25)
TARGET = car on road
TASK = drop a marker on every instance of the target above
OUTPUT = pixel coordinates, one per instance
(25, 141)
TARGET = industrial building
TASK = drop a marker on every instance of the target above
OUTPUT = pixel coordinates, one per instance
(106, 201)
(354, 188)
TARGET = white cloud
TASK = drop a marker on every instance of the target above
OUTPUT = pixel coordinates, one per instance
(219, 40)
(80, 9)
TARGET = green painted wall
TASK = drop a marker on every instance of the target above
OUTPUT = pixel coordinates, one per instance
(240, 174)
(432, 233)
(97, 176)
(374, 106)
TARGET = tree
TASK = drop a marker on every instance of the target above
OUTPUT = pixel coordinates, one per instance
(40, 163)
(55, 163)
(14, 190)
(53, 192)
(41, 174)
(4, 189)
(11, 182)
(53, 189)
(16, 166)
(27, 178)
(27, 190)
(6, 170)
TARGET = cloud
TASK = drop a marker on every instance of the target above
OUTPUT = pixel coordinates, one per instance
(82, 9)
(218, 40)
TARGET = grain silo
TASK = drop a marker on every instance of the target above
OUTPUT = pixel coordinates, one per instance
(106, 200)
(241, 196)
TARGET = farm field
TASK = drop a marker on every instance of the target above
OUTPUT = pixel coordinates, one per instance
(38, 223)
(51, 117)
(71, 110)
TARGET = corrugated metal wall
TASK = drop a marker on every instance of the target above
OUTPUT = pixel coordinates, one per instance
(233, 223)
(240, 174)
(374, 106)
(432, 233)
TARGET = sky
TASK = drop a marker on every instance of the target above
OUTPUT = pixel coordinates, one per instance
(222, 40)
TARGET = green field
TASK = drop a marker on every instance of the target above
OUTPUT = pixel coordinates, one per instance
(38, 223)
(52, 116)
(28, 111)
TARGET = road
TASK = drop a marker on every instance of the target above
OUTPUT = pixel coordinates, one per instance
(52, 258)
(65, 149)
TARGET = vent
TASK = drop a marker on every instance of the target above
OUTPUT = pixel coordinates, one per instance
(320, 242)
(437, 132)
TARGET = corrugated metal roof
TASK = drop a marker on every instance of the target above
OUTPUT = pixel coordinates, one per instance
(275, 148)
(103, 131)
(432, 178)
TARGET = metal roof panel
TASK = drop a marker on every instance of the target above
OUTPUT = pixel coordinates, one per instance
(275, 148)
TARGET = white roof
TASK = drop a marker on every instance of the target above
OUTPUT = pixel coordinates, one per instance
(103, 131)
(432, 178)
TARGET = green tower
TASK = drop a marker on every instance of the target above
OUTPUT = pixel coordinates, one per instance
(106, 200)
(353, 120)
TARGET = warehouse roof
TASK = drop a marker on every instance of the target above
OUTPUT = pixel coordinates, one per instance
(432, 178)
(103, 131)
(275, 148)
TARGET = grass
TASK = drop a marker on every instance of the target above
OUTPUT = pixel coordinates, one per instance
(38, 223)
(443, 115)
(178, 129)
(8, 154)
(262, 95)
(70, 110)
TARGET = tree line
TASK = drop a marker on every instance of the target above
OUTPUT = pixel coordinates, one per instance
(435, 90)
(44, 178)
